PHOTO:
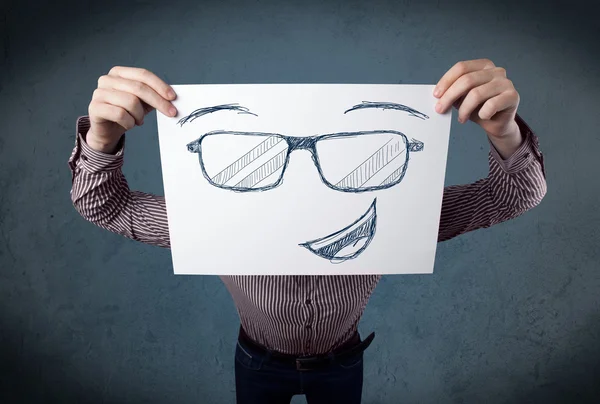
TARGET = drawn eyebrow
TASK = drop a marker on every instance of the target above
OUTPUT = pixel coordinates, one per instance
(209, 110)
(389, 105)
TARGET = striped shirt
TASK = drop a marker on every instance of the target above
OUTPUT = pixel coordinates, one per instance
(302, 315)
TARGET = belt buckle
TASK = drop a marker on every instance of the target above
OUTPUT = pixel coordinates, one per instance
(299, 365)
(302, 362)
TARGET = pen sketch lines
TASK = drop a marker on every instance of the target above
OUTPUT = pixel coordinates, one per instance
(209, 110)
(269, 156)
(389, 105)
(394, 176)
(264, 171)
(415, 145)
(349, 242)
(374, 164)
(248, 158)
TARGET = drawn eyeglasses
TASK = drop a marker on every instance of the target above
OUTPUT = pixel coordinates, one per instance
(347, 161)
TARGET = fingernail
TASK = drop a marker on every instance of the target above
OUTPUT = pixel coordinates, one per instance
(436, 92)
(460, 120)
(172, 111)
(438, 107)
(171, 94)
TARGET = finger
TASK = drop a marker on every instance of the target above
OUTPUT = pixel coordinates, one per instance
(127, 101)
(458, 70)
(503, 101)
(144, 76)
(101, 112)
(140, 90)
(477, 97)
(458, 102)
(465, 83)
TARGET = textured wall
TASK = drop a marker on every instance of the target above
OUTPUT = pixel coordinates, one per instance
(511, 314)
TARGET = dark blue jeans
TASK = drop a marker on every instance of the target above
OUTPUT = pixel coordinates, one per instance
(261, 379)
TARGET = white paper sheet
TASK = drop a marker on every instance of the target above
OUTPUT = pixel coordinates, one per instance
(230, 215)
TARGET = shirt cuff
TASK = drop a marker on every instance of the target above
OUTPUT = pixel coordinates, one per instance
(524, 155)
(91, 160)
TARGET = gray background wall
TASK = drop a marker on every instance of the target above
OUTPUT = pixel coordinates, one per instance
(511, 314)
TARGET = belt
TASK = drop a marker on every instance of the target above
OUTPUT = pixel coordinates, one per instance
(350, 348)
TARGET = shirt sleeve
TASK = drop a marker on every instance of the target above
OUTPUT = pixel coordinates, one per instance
(512, 187)
(101, 195)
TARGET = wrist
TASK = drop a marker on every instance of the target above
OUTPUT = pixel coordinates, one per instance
(509, 141)
(99, 145)
(510, 133)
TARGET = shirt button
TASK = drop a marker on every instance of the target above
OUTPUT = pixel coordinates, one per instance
(308, 326)
(84, 158)
(308, 301)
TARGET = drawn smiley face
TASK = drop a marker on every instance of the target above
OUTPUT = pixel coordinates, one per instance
(351, 162)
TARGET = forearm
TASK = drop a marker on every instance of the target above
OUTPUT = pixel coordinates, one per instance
(509, 143)
(100, 146)
(107, 201)
(101, 194)
(513, 186)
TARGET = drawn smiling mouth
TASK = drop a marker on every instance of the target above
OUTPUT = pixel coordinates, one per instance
(349, 242)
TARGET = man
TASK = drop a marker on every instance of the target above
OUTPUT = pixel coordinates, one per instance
(276, 357)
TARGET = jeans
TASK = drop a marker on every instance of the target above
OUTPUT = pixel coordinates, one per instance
(260, 379)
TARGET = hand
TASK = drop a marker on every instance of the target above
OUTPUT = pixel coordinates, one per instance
(123, 97)
(482, 93)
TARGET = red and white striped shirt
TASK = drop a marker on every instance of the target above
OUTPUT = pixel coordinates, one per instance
(302, 315)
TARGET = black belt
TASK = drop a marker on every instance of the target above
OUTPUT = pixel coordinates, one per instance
(350, 348)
